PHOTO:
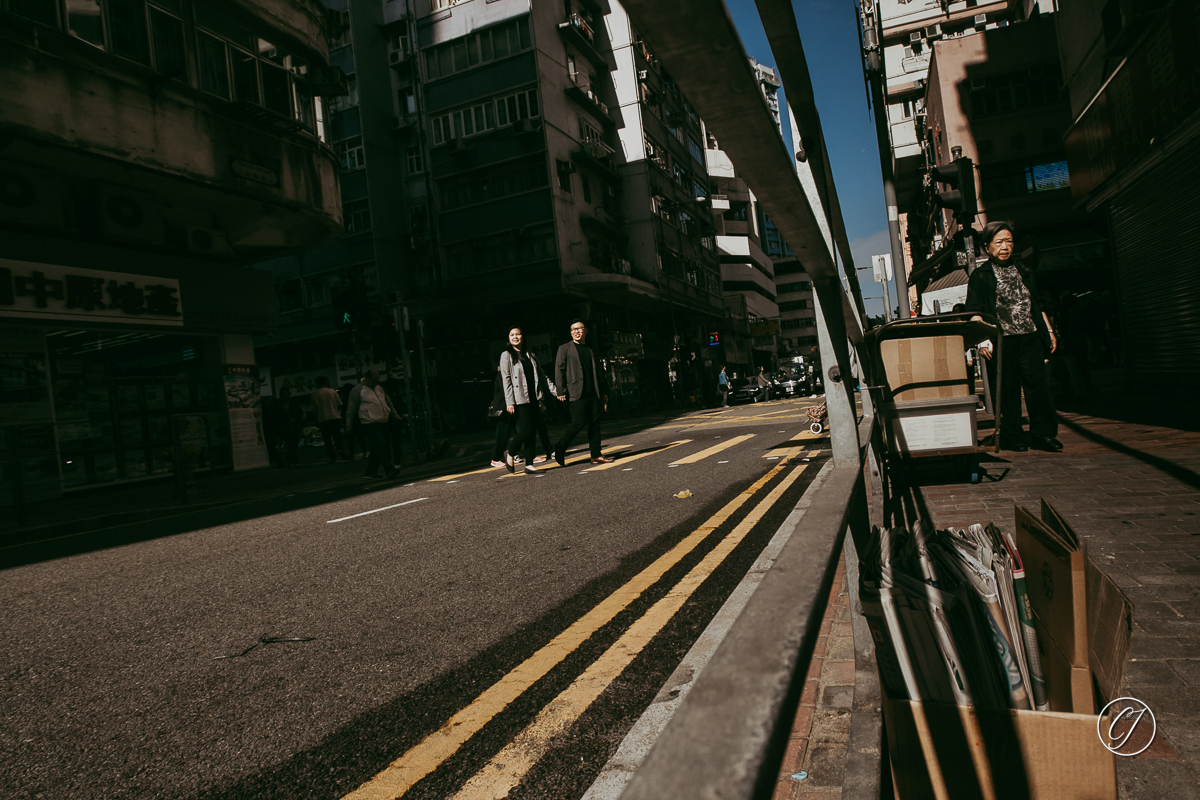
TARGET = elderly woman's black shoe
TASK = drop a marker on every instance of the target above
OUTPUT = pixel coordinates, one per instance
(1047, 443)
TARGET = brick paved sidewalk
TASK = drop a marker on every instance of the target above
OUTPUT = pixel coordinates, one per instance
(1133, 492)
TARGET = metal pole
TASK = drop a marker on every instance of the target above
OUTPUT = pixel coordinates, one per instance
(425, 381)
(873, 66)
(400, 318)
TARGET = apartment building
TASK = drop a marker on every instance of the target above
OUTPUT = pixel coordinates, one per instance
(506, 163)
(148, 152)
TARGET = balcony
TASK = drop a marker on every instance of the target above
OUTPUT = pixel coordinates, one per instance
(578, 32)
(582, 93)
(597, 157)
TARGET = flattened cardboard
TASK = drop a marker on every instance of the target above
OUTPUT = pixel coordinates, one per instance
(949, 752)
(1110, 628)
(925, 368)
(1056, 582)
(1068, 688)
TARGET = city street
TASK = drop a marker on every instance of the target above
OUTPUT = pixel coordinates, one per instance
(431, 637)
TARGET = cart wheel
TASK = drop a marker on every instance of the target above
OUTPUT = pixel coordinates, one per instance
(975, 477)
(976, 472)
(815, 427)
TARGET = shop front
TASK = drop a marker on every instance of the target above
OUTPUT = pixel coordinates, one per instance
(110, 377)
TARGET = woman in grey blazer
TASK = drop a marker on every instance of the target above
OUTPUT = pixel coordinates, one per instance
(525, 391)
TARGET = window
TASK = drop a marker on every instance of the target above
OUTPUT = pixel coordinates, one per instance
(492, 183)
(43, 11)
(699, 190)
(352, 154)
(319, 288)
(696, 150)
(1014, 91)
(587, 189)
(483, 117)
(337, 28)
(795, 305)
(589, 132)
(797, 324)
(517, 106)
(419, 216)
(500, 251)
(1018, 178)
(793, 286)
(289, 295)
(477, 48)
(679, 173)
(564, 170)
(416, 162)
(737, 212)
(337, 104)
(356, 216)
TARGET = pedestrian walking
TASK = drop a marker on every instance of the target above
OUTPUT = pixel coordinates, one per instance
(525, 393)
(504, 421)
(1004, 289)
(723, 386)
(764, 385)
(578, 378)
(291, 422)
(370, 405)
(351, 424)
(327, 407)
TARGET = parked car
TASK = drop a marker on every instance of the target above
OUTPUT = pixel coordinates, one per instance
(744, 390)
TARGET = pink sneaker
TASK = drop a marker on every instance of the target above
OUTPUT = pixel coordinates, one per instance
(497, 463)
(541, 459)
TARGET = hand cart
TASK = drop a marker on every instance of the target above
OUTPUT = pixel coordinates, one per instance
(817, 417)
(923, 392)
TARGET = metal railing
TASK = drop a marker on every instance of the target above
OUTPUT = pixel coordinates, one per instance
(727, 737)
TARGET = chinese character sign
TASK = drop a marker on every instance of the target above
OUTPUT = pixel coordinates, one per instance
(52, 292)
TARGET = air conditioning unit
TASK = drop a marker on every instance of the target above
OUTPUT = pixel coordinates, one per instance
(131, 216)
(31, 196)
(933, 31)
(455, 144)
(565, 167)
(915, 36)
(525, 125)
(978, 83)
(643, 74)
(626, 267)
(208, 242)
(397, 58)
(981, 19)
(329, 82)
(603, 109)
(402, 123)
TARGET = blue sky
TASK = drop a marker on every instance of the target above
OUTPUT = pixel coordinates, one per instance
(829, 31)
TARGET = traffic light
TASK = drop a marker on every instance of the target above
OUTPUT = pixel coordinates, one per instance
(959, 177)
(349, 307)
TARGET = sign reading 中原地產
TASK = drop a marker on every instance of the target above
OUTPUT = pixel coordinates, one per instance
(29, 290)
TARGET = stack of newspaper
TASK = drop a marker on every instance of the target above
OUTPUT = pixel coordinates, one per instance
(950, 617)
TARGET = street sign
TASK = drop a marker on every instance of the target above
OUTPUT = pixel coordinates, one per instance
(881, 267)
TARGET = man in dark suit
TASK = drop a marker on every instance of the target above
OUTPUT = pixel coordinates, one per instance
(580, 378)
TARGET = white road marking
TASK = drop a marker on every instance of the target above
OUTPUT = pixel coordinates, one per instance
(376, 510)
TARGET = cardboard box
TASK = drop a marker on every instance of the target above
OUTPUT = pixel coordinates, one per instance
(940, 750)
(946, 751)
(925, 367)
(922, 425)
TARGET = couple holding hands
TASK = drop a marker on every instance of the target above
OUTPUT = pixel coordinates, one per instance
(580, 382)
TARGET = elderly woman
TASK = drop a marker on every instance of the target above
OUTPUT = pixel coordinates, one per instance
(525, 389)
(1004, 289)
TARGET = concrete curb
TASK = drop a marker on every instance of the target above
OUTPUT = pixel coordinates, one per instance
(637, 743)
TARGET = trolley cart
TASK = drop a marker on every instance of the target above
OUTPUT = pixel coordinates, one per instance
(817, 417)
(924, 392)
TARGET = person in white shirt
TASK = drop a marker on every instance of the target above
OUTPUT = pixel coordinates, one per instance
(372, 407)
(327, 407)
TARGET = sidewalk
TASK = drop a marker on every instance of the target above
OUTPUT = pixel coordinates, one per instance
(1132, 491)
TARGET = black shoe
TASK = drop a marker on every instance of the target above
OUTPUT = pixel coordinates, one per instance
(371, 475)
(1047, 443)
(1015, 448)
(509, 463)
(560, 458)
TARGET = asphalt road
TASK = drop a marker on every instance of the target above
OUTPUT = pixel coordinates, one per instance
(434, 639)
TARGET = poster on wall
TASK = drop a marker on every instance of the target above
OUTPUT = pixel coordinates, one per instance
(243, 398)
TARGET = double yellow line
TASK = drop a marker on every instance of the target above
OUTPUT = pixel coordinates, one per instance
(510, 765)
